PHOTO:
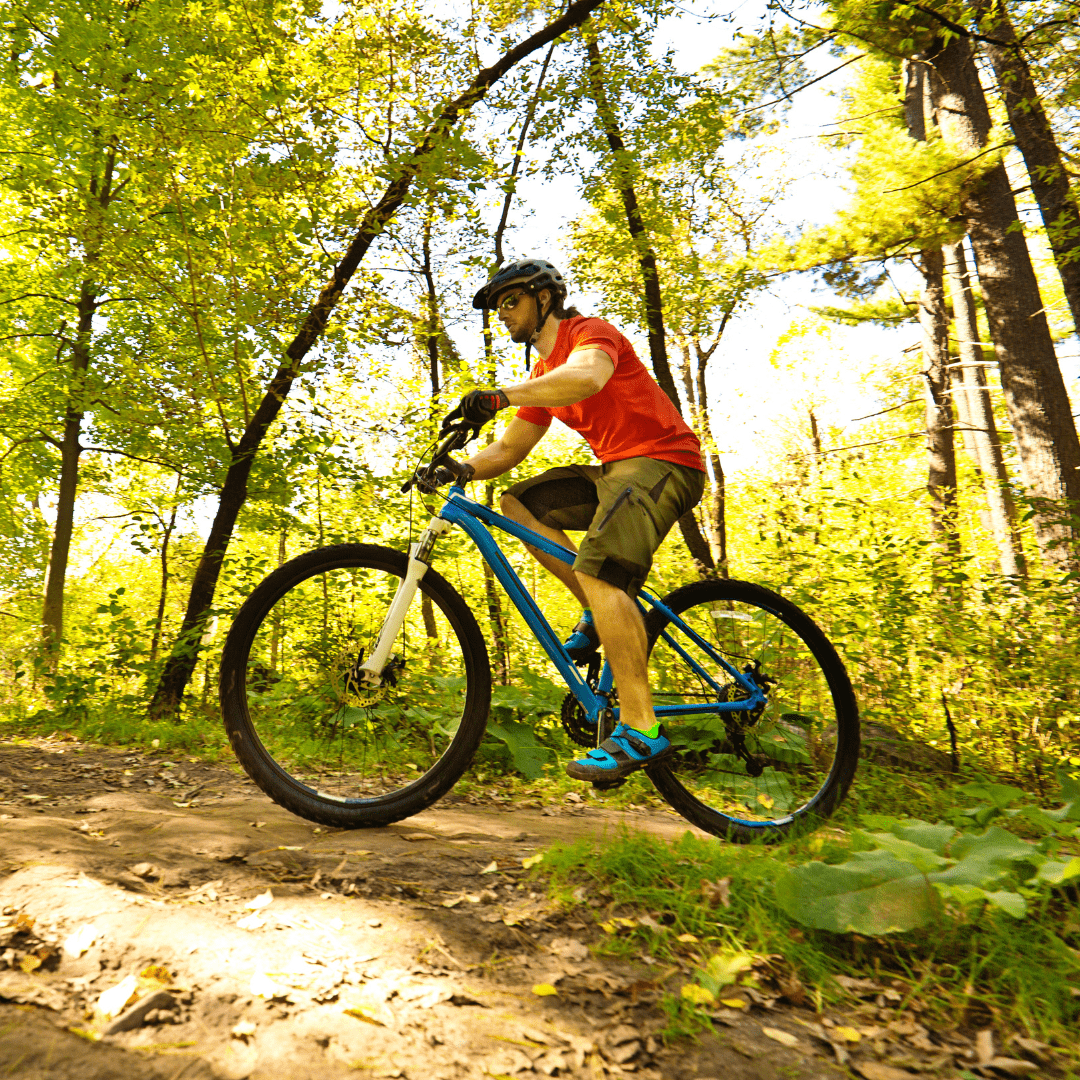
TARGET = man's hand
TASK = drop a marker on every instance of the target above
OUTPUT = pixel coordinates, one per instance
(477, 407)
(429, 479)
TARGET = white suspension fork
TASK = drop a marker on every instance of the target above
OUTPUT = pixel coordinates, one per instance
(371, 670)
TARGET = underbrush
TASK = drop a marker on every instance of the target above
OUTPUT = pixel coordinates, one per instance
(716, 910)
(199, 732)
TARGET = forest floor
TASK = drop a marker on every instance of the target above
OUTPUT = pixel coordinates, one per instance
(231, 939)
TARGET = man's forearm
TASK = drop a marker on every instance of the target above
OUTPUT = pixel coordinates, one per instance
(566, 385)
(493, 461)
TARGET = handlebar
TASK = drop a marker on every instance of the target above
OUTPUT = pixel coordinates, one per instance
(458, 435)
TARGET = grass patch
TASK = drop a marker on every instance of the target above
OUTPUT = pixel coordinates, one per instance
(965, 972)
(199, 732)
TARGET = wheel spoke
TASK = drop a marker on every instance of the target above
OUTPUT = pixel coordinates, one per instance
(292, 663)
(744, 773)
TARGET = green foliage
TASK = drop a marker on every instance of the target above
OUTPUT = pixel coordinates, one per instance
(647, 894)
(917, 872)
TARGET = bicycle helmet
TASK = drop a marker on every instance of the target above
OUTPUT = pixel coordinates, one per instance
(532, 274)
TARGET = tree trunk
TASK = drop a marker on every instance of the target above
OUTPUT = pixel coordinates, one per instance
(695, 542)
(52, 615)
(100, 195)
(182, 660)
(163, 593)
(1035, 138)
(970, 389)
(941, 454)
(1035, 395)
(934, 322)
(715, 509)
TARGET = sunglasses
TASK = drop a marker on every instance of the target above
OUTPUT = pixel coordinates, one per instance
(508, 303)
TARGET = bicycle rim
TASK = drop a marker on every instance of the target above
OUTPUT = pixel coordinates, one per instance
(299, 719)
(748, 775)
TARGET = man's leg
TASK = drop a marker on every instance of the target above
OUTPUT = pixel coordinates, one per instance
(517, 511)
(622, 633)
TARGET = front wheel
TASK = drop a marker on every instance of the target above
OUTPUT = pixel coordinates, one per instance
(751, 775)
(305, 730)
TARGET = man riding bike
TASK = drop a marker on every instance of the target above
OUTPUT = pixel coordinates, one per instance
(650, 474)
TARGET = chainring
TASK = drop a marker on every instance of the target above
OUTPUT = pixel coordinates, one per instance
(576, 724)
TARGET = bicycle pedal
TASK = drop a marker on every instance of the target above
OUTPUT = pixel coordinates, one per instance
(609, 785)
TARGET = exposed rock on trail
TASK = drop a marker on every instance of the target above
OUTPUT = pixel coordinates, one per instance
(164, 919)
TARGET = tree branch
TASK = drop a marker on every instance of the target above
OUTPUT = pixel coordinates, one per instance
(951, 168)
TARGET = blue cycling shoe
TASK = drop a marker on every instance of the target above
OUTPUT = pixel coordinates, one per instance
(583, 640)
(626, 751)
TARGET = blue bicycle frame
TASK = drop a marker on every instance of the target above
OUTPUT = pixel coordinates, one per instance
(471, 517)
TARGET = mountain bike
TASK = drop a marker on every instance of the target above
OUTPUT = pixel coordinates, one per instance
(355, 686)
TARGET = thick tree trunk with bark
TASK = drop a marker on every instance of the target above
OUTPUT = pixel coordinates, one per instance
(1035, 395)
(971, 396)
(934, 322)
(941, 453)
(181, 662)
(1035, 138)
(692, 536)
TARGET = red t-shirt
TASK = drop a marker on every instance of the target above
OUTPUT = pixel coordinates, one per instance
(631, 416)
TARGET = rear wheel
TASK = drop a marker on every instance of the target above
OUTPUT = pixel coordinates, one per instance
(308, 734)
(752, 775)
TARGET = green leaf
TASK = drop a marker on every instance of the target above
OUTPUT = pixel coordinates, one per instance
(872, 893)
(998, 795)
(527, 754)
(934, 837)
(924, 858)
(985, 858)
(1011, 903)
(1056, 872)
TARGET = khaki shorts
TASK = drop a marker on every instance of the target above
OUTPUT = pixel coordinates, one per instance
(627, 508)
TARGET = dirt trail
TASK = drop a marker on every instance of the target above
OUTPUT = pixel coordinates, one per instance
(410, 951)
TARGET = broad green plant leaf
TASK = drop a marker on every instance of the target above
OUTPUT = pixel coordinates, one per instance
(873, 893)
(1056, 872)
(528, 755)
(984, 859)
(935, 838)
(922, 858)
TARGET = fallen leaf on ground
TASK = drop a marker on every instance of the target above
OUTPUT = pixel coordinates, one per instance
(77, 943)
(688, 939)
(1012, 1066)
(848, 1034)
(262, 900)
(569, 948)
(696, 995)
(785, 1038)
(361, 1012)
(734, 1003)
(115, 999)
(717, 892)
(544, 990)
(533, 860)
(244, 1030)
(491, 868)
(254, 921)
(875, 1070)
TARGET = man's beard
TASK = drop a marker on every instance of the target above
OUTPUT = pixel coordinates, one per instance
(521, 336)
